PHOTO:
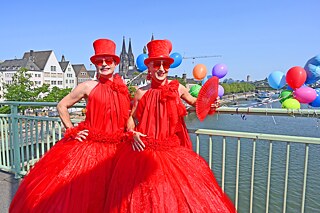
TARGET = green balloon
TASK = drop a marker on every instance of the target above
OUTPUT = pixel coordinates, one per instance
(291, 103)
(284, 95)
(194, 90)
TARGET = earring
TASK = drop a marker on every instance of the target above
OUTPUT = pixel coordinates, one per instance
(149, 76)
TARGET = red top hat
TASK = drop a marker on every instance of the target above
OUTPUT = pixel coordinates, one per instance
(103, 48)
(159, 50)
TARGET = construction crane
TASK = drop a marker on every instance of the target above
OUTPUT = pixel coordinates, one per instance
(205, 56)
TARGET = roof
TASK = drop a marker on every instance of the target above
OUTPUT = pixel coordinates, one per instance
(78, 67)
(16, 64)
(64, 65)
(92, 73)
(40, 57)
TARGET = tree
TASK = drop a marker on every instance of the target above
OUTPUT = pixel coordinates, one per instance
(56, 94)
(22, 88)
(132, 91)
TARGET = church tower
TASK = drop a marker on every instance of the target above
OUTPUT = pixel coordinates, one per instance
(124, 60)
(130, 56)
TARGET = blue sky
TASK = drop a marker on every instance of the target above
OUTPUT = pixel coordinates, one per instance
(254, 37)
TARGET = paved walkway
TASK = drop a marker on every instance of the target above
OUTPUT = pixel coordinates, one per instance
(8, 187)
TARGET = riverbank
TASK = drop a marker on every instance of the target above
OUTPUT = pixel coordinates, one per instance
(233, 99)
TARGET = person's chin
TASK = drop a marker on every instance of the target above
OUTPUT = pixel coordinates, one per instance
(161, 78)
(106, 73)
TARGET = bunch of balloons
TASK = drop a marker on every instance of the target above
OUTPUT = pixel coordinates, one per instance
(177, 57)
(219, 70)
(298, 92)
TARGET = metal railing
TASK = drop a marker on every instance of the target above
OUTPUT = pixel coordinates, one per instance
(247, 171)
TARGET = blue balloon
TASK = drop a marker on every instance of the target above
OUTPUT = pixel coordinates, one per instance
(177, 60)
(312, 68)
(140, 62)
(205, 79)
(316, 102)
(277, 80)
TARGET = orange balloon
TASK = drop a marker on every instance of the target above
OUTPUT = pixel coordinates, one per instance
(199, 71)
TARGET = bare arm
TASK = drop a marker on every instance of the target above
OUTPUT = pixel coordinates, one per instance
(81, 91)
(137, 144)
(138, 95)
(185, 95)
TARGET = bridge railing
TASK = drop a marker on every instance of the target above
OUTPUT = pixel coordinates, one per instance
(260, 172)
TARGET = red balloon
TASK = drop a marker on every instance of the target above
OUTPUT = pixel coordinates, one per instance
(296, 77)
(199, 71)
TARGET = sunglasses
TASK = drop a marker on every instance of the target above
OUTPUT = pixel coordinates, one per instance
(157, 64)
(108, 61)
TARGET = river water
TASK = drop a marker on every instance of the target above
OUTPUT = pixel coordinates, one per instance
(293, 126)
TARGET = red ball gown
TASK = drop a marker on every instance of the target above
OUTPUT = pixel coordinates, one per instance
(166, 176)
(73, 176)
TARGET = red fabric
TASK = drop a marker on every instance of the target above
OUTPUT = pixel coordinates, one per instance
(165, 177)
(163, 104)
(73, 176)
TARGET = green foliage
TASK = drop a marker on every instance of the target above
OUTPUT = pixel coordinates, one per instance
(237, 87)
(5, 110)
(132, 91)
(135, 73)
(22, 88)
(56, 94)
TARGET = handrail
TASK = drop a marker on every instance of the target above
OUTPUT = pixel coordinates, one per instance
(266, 111)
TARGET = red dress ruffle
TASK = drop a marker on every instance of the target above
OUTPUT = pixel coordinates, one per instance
(74, 176)
(166, 176)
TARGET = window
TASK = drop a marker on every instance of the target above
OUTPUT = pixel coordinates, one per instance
(66, 81)
(53, 68)
(69, 69)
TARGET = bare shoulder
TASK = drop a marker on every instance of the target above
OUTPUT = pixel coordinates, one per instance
(144, 88)
(141, 91)
(182, 89)
(90, 84)
(85, 87)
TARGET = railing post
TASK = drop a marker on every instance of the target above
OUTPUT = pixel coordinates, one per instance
(15, 140)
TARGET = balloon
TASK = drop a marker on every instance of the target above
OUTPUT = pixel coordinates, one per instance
(291, 103)
(194, 90)
(277, 80)
(316, 102)
(205, 79)
(312, 68)
(289, 88)
(296, 76)
(177, 60)
(284, 95)
(199, 71)
(219, 70)
(220, 91)
(305, 94)
(140, 62)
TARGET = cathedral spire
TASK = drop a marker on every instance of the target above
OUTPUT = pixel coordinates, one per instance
(123, 46)
(130, 49)
(152, 38)
(130, 55)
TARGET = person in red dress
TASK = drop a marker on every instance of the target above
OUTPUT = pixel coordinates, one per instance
(73, 175)
(155, 172)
